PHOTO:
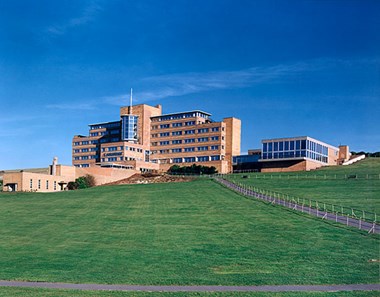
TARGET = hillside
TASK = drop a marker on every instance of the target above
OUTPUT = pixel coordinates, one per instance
(177, 233)
(355, 186)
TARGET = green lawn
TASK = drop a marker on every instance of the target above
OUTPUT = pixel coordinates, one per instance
(181, 233)
(24, 292)
(362, 193)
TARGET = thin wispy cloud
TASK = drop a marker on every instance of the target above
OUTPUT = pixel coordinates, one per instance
(89, 13)
(180, 84)
(73, 106)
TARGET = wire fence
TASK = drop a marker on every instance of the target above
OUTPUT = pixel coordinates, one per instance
(362, 220)
(364, 215)
(253, 174)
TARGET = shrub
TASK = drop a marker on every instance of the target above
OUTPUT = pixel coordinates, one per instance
(193, 169)
(82, 182)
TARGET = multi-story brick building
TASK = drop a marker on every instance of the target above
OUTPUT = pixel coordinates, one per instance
(144, 139)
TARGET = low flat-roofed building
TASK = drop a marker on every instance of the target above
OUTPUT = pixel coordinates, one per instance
(296, 154)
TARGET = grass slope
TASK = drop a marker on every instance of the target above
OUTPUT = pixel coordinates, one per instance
(184, 233)
(24, 292)
(362, 194)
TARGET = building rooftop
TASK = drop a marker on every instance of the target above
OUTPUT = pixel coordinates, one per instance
(184, 112)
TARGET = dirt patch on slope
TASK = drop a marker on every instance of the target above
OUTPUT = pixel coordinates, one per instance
(150, 179)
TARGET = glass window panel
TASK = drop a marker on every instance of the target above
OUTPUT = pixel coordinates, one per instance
(303, 144)
(298, 144)
(281, 146)
(276, 146)
(286, 145)
(265, 147)
(292, 145)
(270, 147)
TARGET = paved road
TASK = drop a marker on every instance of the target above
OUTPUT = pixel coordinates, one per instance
(135, 288)
(362, 225)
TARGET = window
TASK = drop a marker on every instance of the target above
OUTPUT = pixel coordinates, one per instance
(270, 147)
(202, 148)
(215, 158)
(189, 159)
(164, 126)
(76, 151)
(214, 147)
(191, 123)
(265, 147)
(76, 143)
(177, 160)
(164, 142)
(215, 138)
(275, 146)
(84, 157)
(39, 184)
(177, 124)
(204, 130)
(190, 140)
(177, 150)
(31, 184)
(215, 129)
(47, 185)
(176, 141)
(203, 139)
(187, 132)
(164, 134)
(203, 159)
(85, 150)
(55, 186)
(189, 149)
(84, 142)
(175, 133)
(112, 148)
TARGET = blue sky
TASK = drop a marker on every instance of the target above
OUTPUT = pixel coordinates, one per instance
(285, 68)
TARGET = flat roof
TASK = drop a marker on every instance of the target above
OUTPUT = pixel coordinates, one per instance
(184, 112)
(104, 123)
(299, 138)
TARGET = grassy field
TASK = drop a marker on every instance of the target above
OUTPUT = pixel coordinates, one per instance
(185, 233)
(23, 292)
(361, 193)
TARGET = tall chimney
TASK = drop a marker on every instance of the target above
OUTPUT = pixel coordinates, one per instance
(54, 166)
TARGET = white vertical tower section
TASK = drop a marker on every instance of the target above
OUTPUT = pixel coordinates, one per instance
(130, 102)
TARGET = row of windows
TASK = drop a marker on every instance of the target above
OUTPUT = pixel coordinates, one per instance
(39, 185)
(296, 154)
(92, 157)
(189, 140)
(121, 148)
(109, 132)
(86, 142)
(196, 159)
(189, 149)
(116, 159)
(105, 126)
(86, 150)
(166, 126)
(295, 145)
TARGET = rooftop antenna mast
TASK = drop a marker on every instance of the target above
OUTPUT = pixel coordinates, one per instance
(130, 103)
